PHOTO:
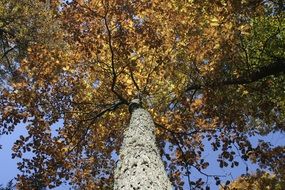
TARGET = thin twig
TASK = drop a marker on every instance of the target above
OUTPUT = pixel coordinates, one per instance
(184, 133)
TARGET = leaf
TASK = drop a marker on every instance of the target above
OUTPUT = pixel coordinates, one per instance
(214, 22)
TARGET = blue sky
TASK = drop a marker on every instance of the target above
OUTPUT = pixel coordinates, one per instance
(8, 166)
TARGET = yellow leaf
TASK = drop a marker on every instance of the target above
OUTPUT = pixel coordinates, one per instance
(64, 149)
(245, 92)
(214, 22)
(129, 81)
(66, 68)
(129, 91)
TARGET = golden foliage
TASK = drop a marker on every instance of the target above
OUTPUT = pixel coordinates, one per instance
(76, 66)
(258, 181)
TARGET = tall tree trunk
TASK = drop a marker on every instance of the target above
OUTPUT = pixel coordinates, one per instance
(140, 165)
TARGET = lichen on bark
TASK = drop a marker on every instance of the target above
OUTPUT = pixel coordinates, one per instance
(140, 165)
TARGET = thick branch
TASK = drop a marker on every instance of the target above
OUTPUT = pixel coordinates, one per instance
(274, 69)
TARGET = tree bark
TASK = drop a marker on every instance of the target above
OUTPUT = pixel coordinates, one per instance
(140, 165)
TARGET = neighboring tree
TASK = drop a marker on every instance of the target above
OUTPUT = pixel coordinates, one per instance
(204, 70)
(22, 24)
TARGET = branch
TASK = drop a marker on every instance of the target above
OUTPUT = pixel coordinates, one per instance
(187, 165)
(205, 174)
(93, 119)
(184, 133)
(274, 69)
(114, 80)
(132, 73)
(148, 78)
(5, 53)
(134, 81)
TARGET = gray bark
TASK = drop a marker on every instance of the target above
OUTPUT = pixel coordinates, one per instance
(140, 165)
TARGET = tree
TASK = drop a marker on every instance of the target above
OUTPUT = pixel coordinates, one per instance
(21, 25)
(140, 165)
(210, 70)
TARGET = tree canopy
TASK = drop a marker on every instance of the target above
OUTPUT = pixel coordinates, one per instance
(206, 70)
(260, 180)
